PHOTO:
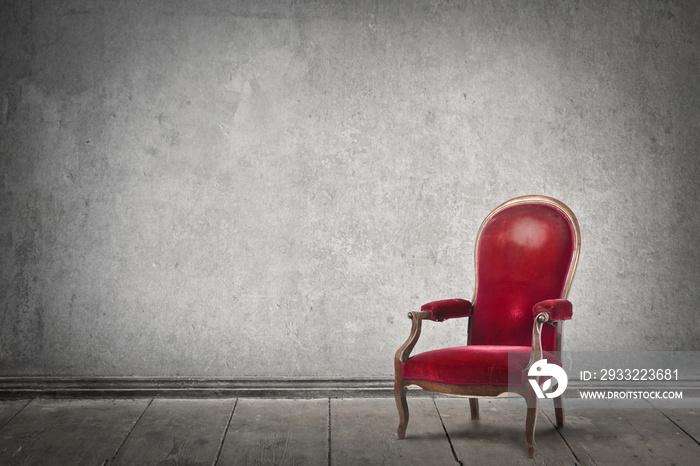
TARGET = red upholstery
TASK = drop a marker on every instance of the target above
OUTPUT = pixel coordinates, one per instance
(472, 365)
(447, 309)
(557, 309)
(523, 256)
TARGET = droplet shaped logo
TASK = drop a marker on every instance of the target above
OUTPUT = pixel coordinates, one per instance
(542, 368)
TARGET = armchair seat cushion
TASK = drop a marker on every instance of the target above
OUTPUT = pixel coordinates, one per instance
(473, 365)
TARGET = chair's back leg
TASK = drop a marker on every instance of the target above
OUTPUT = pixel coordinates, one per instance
(474, 407)
(559, 410)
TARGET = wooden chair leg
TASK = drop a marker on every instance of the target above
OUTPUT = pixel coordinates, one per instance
(531, 400)
(402, 406)
(559, 410)
(474, 407)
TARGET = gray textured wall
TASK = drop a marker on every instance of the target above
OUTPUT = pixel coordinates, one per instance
(247, 188)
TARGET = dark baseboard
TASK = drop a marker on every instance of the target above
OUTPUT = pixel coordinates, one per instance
(252, 387)
(193, 387)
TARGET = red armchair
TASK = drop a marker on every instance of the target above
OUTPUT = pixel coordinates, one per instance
(525, 256)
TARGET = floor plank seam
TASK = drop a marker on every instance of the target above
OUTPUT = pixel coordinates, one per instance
(329, 431)
(676, 424)
(578, 461)
(126, 437)
(15, 415)
(452, 449)
(223, 436)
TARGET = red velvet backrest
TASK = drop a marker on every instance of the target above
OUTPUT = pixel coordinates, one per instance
(526, 252)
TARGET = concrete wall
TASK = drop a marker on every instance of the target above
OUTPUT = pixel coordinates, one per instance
(265, 188)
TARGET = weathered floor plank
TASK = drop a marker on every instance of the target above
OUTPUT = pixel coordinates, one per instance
(624, 433)
(498, 436)
(277, 432)
(72, 432)
(9, 408)
(363, 431)
(685, 413)
(172, 431)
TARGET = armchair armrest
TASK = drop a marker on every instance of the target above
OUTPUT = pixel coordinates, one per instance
(437, 311)
(549, 310)
(556, 309)
(447, 309)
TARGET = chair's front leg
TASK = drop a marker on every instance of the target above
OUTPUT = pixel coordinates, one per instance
(402, 356)
(402, 406)
(536, 355)
(530, 395)
(531, 419)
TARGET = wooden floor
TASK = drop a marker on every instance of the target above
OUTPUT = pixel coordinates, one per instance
(338, 431)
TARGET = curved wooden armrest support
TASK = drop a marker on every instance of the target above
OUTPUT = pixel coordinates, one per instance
(536, 353)
(404, 352)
